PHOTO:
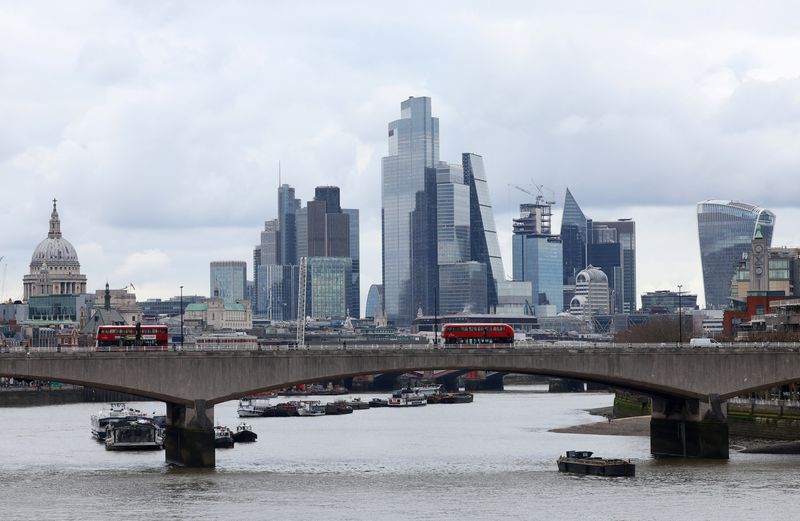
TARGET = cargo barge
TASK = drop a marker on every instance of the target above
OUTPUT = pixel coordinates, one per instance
(582, 462)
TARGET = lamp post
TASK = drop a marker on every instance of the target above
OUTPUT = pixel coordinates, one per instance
(680, 316)
(181, 318)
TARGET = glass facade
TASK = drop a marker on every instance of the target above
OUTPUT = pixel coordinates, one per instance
(277, 289)
(374, 301)
(452, 215)
(56, 308)
(608, 257)
(413, 147)
(665, 301)
(287, 207)
(622, 231)
(462, 288)
(538, 259)
(354, 305)
(484, 245)
(229, 280)
(574, 237)
(726, 230)
(328, 287)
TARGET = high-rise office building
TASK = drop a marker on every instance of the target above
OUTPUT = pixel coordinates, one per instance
(623, 283)
(574, 241)
(354, 306)
(288, 205)
(462, 288)
(229, 280)
(277, 289)
(538, 257)
(483, 233)
(726, 230)
(424, 247)
(413, 147)
(328, 287)
(374, 305)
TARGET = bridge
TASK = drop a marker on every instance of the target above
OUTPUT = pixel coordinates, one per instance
(689, 386)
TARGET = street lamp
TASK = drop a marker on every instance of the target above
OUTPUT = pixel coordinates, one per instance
(181, 318)
(680, 316)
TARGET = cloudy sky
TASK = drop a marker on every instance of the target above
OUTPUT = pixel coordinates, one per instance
(159, 125)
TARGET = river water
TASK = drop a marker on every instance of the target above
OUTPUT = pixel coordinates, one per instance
(492, 459)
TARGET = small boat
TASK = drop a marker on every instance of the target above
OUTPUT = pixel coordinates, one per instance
(116, 412)
(312, 409)
(459, 397)
(223, 437)
(244, 434)
(138, 434)
(407, 398)
(358, 405)
(252, 407)
(377, 402)
(582, 462)
(338, 407)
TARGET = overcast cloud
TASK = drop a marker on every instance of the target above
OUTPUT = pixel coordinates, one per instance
(159, 125)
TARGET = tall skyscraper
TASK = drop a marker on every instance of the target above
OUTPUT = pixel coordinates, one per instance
(726, 230)
(229, 280)
(374, 305)
(483, 233)
(538, 257)
(623, 232)
(287, 208)
(354, 306)
(574, 240)
(413, 147)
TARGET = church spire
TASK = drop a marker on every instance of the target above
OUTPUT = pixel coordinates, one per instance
(55, 223)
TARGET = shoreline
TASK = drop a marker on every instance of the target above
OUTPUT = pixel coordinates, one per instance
(640, 426)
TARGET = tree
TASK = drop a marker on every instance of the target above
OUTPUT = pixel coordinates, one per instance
(657, 329)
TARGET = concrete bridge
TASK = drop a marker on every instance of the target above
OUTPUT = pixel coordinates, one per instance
(688, 385)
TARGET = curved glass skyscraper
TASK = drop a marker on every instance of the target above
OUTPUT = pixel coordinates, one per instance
(726, 230)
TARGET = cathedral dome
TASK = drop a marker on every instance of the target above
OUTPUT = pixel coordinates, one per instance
(55, 250)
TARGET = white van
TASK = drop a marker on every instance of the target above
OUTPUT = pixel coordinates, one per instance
(704, 342)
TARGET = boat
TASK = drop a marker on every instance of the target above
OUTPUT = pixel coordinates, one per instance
(312, 409)
(582, 462)
(252, 407)
(407, 398)
(377, 402)
(430, 390)
(223, 437)
(338, 407)
(116, 412)
(459, 397)
(357, 404)
(140, 434)
(244, 434)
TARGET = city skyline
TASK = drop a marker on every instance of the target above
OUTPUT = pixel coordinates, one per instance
(160, 170)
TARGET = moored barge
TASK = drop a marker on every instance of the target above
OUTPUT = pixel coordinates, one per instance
(582, 462)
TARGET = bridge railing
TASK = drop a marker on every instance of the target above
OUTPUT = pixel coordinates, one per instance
(605, 346)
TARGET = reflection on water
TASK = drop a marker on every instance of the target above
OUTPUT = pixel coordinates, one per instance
(490, 459)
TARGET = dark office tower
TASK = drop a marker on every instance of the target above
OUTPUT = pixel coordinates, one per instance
(608, 257)
(484, 245)
(317, 221)
(413, 147)
(423, 248)
(287, 209)
(329, 194)
(726, 230)
(256, 264)
(622, 231)
(354, 305)
(574, 239)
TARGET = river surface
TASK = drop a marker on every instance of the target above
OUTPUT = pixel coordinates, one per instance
(492, 459)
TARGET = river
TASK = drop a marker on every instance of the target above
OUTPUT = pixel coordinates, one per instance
(492, 459)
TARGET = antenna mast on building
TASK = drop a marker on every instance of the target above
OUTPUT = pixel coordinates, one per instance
(301, 305)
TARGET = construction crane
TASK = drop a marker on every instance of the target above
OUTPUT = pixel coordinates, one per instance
(539, 197)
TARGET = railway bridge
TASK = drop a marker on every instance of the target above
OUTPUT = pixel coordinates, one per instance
(689, 386)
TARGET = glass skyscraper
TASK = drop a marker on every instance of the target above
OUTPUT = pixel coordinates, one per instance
(574, 237)
(328, 287)
(374, 301)
(483, 233)
(413, 147)
(462, 288)
(726, 230)
(288, 205)
(622, 231)
(229, 280)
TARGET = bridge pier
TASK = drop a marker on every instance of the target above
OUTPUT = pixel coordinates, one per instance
(189, 435)
(689, 428)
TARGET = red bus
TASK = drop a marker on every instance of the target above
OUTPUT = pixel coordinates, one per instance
(478, 334)
(116, 338)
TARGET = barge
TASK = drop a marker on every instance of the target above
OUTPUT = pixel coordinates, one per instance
(582, 462)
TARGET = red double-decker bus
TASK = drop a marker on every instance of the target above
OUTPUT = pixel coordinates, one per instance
(138, 337)
(478, 334)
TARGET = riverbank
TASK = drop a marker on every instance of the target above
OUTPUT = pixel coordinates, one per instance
(640, 426)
